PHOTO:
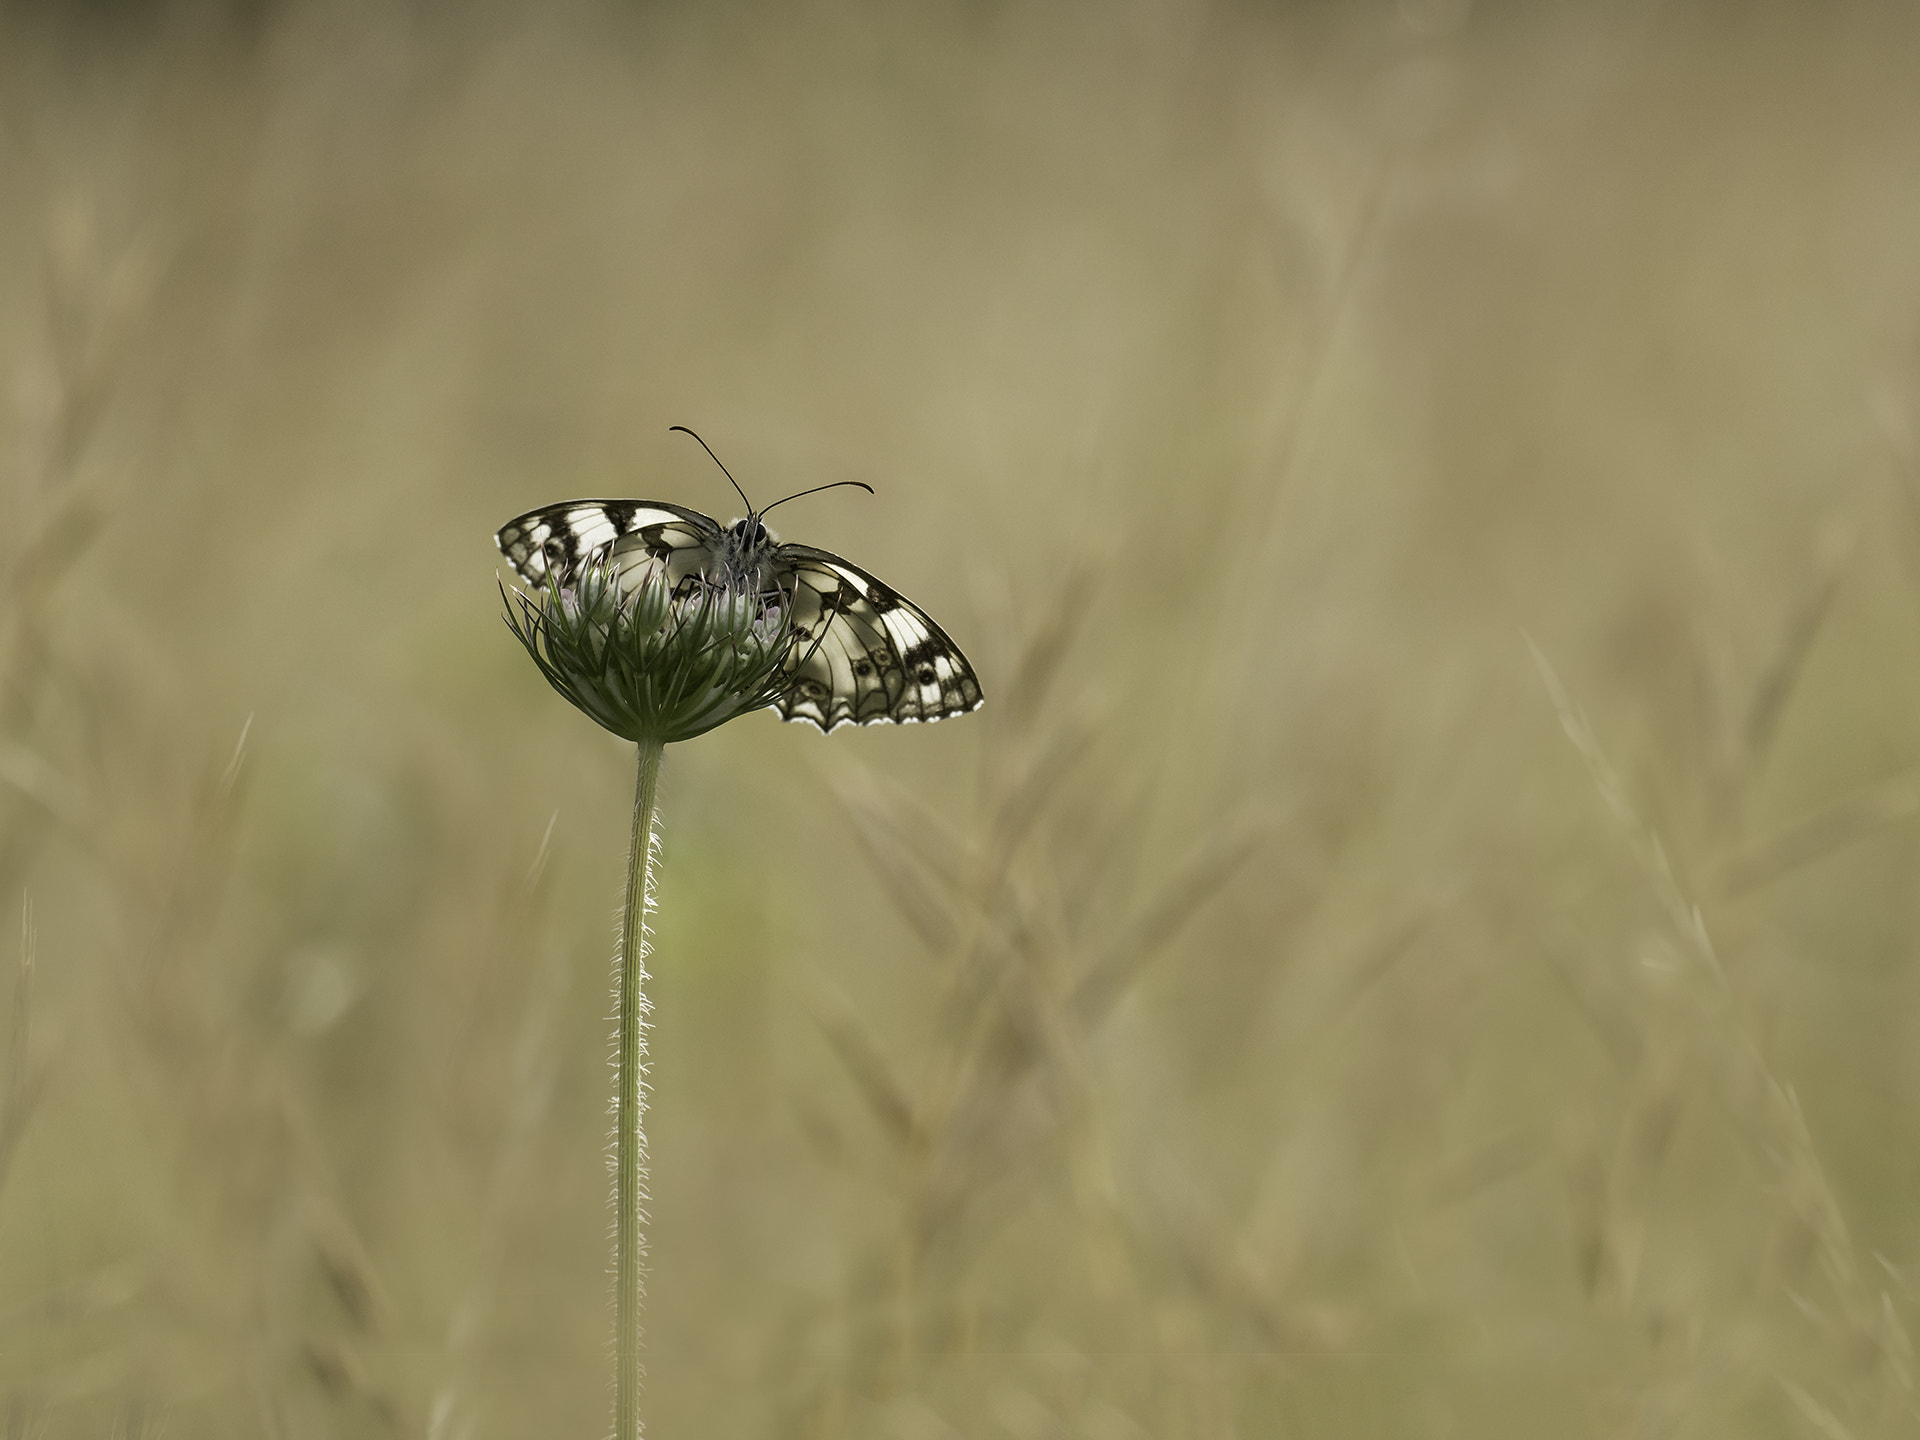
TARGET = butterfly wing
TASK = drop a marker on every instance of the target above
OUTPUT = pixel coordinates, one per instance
(564, 534)
(867, 653)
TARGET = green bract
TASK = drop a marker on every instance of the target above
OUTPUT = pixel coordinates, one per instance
(649, 659)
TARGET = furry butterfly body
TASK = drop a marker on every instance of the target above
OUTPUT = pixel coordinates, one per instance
(863, 653)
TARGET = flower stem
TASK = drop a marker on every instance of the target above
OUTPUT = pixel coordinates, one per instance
(630, 1142)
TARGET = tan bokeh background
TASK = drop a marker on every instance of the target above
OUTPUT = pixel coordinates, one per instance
(1292, 1007)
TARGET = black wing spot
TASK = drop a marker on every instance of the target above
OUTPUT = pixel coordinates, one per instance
(863, 668)
(926, 674)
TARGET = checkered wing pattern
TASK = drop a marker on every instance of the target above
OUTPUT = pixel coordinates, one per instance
(867, 655)
(560, 536)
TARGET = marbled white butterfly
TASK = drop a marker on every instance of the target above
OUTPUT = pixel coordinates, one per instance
(864, 654)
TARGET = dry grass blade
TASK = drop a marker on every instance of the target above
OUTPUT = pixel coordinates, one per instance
(95, 1294)
(92, 309)
(39, 780)
(1106, 836)
(1208, 866)
(189, 904)
(1821, 834)
(905, 849)
(343, 1262)
(1026, 794)
(1807, 1188)
(342, 1373)
(56, 543)
(535, 1068)
(1484, 1165)
(907, 820)
(1046, 649)
(1895, 1347)
(137, 1421)
(534, 883)
(1689, 925)
(26, 1073)
(1574, 723)
(871, 1074)
(230, 775)
(25, 1418)
(1595, 997)
(1783, 672)
(1384, 953)
(1817, 1415)
(1219, 1265)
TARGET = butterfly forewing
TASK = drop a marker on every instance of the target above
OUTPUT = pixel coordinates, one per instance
(567, 533)
(863, 654)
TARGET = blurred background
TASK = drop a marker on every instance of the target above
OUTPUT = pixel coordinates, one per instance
(1420, 941)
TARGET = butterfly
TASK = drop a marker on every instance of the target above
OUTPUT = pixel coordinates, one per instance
(864, 654)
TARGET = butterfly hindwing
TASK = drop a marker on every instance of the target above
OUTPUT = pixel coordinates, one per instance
(870, 654)
(567, 533)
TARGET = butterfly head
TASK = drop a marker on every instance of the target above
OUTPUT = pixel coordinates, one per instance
(750, 534)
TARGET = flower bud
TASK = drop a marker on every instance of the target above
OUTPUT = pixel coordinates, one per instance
(650, 658)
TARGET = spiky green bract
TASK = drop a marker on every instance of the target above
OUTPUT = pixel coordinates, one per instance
(649, 660)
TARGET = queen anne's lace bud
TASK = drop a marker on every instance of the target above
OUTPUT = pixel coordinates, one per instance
(649, 659)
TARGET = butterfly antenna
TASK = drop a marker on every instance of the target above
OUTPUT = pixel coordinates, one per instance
(723, 469)
(818, 488)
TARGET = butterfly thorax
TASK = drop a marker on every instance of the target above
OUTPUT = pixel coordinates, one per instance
(744, 554)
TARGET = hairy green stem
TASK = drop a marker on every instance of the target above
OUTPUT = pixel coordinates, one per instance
(630, 1140)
